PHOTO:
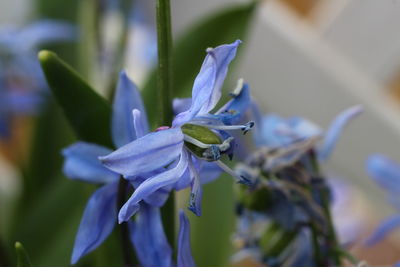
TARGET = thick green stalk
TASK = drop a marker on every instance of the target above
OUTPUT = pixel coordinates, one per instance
(164, 97)
(164, 40)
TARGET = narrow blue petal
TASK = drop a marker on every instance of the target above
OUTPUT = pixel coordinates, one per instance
(207, 86)
(150, 186)
(397, 264)
(148, 153)
(233, 111)
(383, 229)
(97, 222)
(196, 193)
(148, 237)
(181, 104)
(335, 129)
(46, 31)
(185, 258)
(127, 97)
(185, 181)
(158, 198)
(384, 172)
(82, 163)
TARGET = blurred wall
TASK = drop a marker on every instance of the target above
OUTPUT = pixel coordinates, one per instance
(14, 11)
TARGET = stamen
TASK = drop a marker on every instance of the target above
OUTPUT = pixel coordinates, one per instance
(196, 142)
(245, 128)
(212, 153)
(226, 144)
(238, 88)
(239, 178)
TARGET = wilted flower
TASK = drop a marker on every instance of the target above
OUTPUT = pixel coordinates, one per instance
(178, 153)
(288, 190)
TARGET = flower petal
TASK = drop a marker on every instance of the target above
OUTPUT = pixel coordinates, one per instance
(181, 104)
(335, 129)
(82, 163)
(149, 240)
(150, 152)
(233, 111)
(207, 86)
(97, 222)
(383, 229)
(127, 98)
(185, 258)
(151, 185)
(46, 31)
(196, 193)
(384, 172)
(209, 172)
(277, 131)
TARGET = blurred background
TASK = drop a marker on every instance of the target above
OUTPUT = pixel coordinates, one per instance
(311, 58)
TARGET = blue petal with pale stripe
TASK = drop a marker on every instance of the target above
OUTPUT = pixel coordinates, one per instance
(127, 97)
(97, 222)
(207, 86)
(150, 186)
(82, 163)
(148, 153)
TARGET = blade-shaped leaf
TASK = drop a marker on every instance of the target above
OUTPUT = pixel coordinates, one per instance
(22, 256)
(88, 113)
(189, 50)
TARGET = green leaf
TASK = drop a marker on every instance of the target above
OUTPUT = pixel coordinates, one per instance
(189, 50)
(22, 256)
(88, 113)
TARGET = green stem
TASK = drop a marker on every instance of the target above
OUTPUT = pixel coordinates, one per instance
(164, 41)
(331, 236)
(164, 98)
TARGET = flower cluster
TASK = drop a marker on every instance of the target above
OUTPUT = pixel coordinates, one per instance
(286, 211)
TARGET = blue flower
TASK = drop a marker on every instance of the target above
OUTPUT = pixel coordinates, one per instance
(386, 173)
(289, 139)
(151, 245)
(22, 83)
(81, 163)
(174, 151)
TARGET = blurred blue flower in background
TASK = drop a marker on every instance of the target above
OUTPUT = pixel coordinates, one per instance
(291, 138)
(386, 173)
(170, 149)
(22, 84)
